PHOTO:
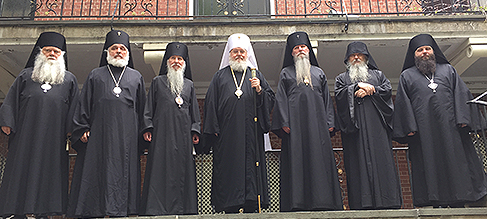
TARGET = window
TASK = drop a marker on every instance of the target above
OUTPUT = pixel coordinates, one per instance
(233, 7)
(15, 8)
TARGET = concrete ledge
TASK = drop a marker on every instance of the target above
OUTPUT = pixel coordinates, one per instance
(241, 20)
(470, 213)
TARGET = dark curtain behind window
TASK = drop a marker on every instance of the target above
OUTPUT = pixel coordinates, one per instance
(233, 7)
(15, 8)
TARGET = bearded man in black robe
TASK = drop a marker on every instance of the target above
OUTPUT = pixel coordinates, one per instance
(230, 129)
(432, 117)
(37, 116)
(172, 125)
(106, 178)
(363, 97)
(303, 119)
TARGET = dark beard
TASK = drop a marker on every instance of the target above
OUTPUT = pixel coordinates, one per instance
(427, 66)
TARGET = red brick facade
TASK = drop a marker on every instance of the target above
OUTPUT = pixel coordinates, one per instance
(289, 7)
(103, 9)
(180, 9)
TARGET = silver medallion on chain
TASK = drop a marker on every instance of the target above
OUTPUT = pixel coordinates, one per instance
(239, 91)
(432, 85)
(179, 100)
(117, 90)
(46, 87)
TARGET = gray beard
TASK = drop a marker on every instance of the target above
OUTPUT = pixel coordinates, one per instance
(49, 71)
(303, 69)
(175, 78)
(239, 66)
(117, 62)
(358, 72)
(426, 67)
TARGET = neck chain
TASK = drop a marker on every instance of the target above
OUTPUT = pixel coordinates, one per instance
(432, 84)
(239, 91)
(117, 90)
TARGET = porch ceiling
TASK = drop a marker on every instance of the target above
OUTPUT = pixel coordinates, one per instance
(388, 47)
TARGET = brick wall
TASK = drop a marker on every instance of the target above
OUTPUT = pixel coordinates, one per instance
(291, 7)
(103, 9)
(179, 9)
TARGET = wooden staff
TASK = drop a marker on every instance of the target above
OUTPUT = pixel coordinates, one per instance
(257, 149)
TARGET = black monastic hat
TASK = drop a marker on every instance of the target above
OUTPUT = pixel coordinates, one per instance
(176, 49)
(423, 40)
(360, 47)
(298, 38)
(116, 37)
(48, 39)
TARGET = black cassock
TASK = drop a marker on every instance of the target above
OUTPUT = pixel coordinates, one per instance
(106, 177)
(366, 131)
(35, 180)
(445, 166)
(234, 171)
(309, 178)
(170, 177)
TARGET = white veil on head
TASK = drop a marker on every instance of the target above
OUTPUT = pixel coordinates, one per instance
(239, 40)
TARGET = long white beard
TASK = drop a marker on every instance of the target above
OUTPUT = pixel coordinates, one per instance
(303, 69)
(175, 78)
(118, 62)
(49, 71)
(238, 65)
(358, 72)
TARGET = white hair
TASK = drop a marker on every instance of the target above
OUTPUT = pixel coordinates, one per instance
(175, 78)
(303, 68)
(358, 72)
(242, 41)
(118, 62)
(238, 65)
(49, 71)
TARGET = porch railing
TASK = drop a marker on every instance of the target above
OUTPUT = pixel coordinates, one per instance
(204, 167)
(204, 164)
(201, 9)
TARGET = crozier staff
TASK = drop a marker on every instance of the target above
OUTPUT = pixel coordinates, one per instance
(229, 128)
